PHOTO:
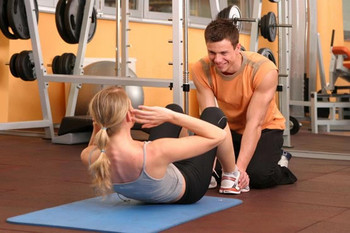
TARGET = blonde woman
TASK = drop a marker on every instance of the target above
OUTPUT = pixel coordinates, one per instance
(164, 169)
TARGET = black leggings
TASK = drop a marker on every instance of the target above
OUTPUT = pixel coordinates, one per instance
(197, 171)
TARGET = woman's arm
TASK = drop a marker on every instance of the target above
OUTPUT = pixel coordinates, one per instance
(207, 136)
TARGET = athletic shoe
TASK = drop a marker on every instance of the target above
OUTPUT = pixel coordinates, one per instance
(229, 184)
(245, 189)
(285, 157)
(213, 184)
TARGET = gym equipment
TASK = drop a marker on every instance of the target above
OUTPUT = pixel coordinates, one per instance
(22, 65)
(69, 18)
(17, 18)
(268, 24)
(105, 68)
(63, 64)
(77, 78)
(267, 53)
(294, 125)
(4, 23)
(118, 215)
(12, 64)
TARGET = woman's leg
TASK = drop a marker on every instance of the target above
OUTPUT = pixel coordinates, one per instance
(197, 171)
(166, 130)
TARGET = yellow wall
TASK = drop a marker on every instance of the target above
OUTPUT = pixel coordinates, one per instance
(19, 100)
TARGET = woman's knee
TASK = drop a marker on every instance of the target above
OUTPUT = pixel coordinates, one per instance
(215, 116)
(175, 108)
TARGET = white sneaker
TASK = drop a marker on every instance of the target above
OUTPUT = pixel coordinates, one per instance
(285, 157)
(213, 184)
(245, 189)
(229, 184)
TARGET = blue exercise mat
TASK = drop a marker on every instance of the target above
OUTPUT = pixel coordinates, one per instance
(115, 215)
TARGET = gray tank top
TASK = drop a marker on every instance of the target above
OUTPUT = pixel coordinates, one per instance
(148, 189)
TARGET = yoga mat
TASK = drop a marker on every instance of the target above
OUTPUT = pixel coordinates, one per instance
(116, 215)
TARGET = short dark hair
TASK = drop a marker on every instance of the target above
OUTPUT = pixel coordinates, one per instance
(220, 29)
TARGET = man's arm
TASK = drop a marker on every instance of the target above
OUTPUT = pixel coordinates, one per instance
(206, 98)
(255, 117)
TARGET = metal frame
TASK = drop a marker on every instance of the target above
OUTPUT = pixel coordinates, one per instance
(284, 55)
(77, 79)
(335, 113)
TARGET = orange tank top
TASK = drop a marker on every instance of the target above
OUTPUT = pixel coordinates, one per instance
(233, 92)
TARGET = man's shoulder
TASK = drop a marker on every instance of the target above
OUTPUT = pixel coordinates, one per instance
(203, 63)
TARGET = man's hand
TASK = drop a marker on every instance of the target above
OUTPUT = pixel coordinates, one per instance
(243, 179)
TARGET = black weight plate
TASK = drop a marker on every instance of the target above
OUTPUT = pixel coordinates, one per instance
(28, 67)
(263, 27)
(54, 64)
(17, 18)
(13, 65)
(266, 52)
(59, 18)
(93, 25)
(18, 65)
(69, 63)
(61, 60)
(65, 63)
(271, 26)
(73, 18)
(4, 23)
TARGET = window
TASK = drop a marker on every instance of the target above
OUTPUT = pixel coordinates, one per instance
(160, 6)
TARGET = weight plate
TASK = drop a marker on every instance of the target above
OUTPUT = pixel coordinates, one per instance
(17, 17)
(69, 63)
(13, 65)
(235, 13)
(18, 65)
(224, 13)
(294, 125)
(60, 66)
(263, 29)
(54, 65)
(73, 17)
(271, 26)
(4, 23)
(266, 52)
(93, 24)
(59, 18)
(28, 68)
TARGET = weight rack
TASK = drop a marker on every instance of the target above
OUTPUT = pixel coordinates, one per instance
(77, 79)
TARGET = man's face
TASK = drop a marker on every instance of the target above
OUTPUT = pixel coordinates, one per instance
(224, 56)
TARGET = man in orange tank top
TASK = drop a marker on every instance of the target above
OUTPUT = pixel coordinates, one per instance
(243, 85)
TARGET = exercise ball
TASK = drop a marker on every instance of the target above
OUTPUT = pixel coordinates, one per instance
(105, 68)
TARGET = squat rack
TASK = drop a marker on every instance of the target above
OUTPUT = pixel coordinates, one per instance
(179, 19)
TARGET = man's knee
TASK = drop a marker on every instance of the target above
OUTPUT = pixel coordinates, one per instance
(261, 178)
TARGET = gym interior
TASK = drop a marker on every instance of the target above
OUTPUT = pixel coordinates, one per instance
(50, 69)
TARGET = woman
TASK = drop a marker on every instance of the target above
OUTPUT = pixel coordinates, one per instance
(165, 169)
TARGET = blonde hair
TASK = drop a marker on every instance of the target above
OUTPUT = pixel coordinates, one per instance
(108, 108)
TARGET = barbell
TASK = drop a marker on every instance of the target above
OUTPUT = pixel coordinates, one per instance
(267, 23)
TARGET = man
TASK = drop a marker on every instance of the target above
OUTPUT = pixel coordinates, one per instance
(243, 85)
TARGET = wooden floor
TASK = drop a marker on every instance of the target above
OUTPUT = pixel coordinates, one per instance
(36, 174)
